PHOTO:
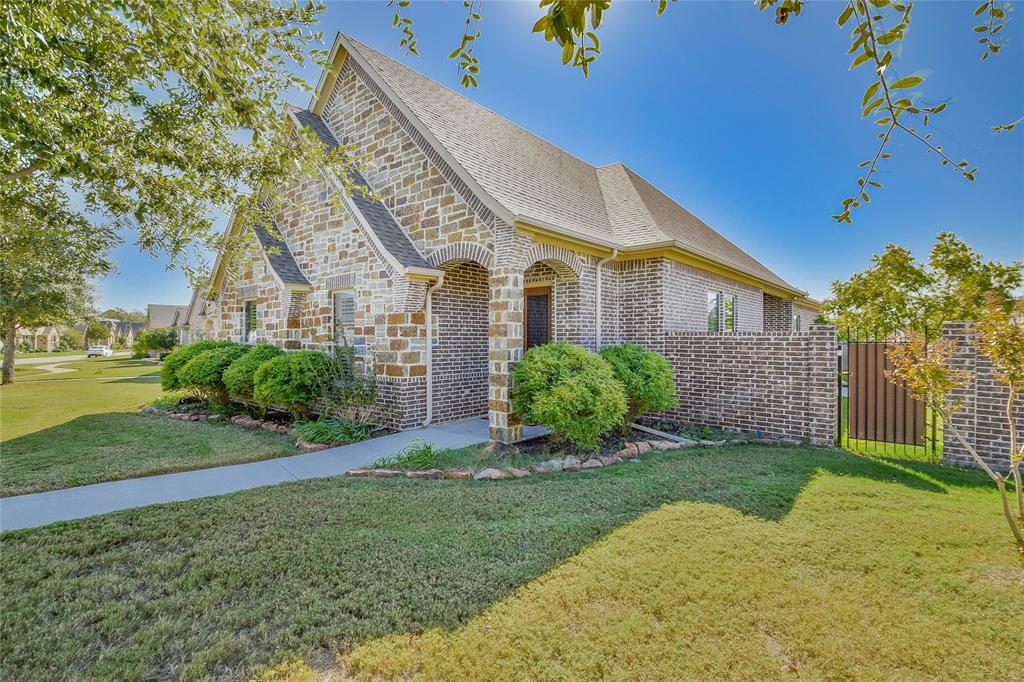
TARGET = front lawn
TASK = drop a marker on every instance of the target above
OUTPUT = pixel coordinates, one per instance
(61, 430)
(741, 562)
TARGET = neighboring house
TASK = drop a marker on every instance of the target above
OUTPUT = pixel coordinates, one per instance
(159, 316)
(485, 240)
(41, 339)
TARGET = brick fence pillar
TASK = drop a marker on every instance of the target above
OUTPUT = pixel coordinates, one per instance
(822, 366)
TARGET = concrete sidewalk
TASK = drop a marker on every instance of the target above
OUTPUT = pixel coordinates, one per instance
(27, 511)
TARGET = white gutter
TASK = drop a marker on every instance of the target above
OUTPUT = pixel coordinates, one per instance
(614, 253)
(429, 322)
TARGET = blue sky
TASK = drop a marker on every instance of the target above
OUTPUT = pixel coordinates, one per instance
(753, 127)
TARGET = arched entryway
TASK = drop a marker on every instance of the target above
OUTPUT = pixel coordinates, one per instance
(459, 363)
(551, 289)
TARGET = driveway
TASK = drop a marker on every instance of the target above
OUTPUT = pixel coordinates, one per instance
(56, 359)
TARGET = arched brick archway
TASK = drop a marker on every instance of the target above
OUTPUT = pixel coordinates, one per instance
(462, 251)
(556, 270)
(565, 262)
(459, 373)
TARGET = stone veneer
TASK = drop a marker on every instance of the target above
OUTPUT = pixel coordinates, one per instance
(982, 415)
(781, 384)
(487, 262)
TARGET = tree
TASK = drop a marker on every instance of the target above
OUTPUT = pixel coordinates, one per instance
(899, 294)
(926, 370)
(156, 113)
(157, 340)
(877, 29)
(96, 331)
(47, 256)
(124, 315)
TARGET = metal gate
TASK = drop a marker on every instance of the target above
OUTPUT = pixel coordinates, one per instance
(876, 415)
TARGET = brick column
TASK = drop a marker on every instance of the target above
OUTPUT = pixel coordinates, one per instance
(505, 347)
(822, 368)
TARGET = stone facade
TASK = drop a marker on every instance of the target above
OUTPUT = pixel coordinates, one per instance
(781, 384)
(478, 311)
(982, 415)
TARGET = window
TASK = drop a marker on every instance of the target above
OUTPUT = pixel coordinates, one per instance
(797, 323)
(729, 313)
(713, 304)
(344, 320)
(248, 320)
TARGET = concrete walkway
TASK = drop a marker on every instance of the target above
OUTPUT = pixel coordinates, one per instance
(39, 509)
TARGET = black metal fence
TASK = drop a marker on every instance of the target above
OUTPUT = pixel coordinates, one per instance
(875, 415)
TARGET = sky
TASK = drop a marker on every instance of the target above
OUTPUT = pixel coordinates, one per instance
(753, 127)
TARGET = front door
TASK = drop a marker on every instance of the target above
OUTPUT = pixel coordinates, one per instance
(538, 316)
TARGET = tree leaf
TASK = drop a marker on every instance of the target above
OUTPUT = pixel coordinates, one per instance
(908, 82)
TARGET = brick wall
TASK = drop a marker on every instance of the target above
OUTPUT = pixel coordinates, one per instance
(460, 343)
(982, 417)
(778, 314)
(779, 383)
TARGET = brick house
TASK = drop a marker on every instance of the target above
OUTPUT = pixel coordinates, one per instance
(485, 240)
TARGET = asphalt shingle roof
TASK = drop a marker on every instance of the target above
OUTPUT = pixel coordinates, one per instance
(536, 179)
(161, 316)
(279, 256)
(377, 215)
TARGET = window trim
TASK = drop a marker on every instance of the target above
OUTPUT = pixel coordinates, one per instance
(730, 316)
(255, 318)
(346, 331)
(717, 310)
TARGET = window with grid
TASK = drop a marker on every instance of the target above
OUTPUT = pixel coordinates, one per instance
(729, 313)
(797, 323)
(249, 320)
(344, 306)
(713, 305)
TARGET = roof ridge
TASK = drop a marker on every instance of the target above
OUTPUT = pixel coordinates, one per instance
(471, 101)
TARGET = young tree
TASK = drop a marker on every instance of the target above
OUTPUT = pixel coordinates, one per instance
(157, 112)
(96, 332)
(926, 370)
(47, 256)
(898, 293)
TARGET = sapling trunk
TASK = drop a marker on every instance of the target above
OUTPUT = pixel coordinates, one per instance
(10, 336)
(1015, 455)
(999, 480)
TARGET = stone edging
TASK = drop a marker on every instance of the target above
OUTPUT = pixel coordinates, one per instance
(239, 420)
(571, 463)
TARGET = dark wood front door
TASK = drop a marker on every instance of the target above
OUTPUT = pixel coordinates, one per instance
(538, 316)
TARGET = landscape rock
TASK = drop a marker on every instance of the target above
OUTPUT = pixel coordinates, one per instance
(712, 443)
(630, 449)
(359, 473)
(283, 428)
(311, 447)
(459, 474)
(592, 464)
(433, 474)
(662, 444)
(490, 474)
(269, 426)
(519, 473)
(194, 417)
(642, 447)
(387, 473)
(547, 467)
(687, 443)
(215, 418)
(611, 460)
(792, 441)
(238, 419)
(499, 449)
(571, 463)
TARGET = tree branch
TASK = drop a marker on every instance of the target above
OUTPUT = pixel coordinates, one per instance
(30, 169)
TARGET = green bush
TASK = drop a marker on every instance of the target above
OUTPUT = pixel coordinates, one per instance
(178, 357)
(159, 340)
(645, 376)
(292, 381)
(240, 375)
(203, 374)
(570, 390)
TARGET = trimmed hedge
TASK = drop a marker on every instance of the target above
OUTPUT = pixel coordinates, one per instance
(646, 377)
(570, 390)
(180, 356)
(240, 376)
(293, 381)
(205, 371)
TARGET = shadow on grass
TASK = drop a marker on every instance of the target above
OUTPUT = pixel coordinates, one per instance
(325, 564)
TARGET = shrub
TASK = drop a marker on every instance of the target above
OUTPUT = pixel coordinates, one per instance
(204, 373)
(291, 381)
(238, 378)
(178, 357)
(330, 431)
(570, 390)
(645, 376)
(158, 340)
(417, 456)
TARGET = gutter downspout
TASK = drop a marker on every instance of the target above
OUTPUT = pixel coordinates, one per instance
(615, 252)
(429, 322)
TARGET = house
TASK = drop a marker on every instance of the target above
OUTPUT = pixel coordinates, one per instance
(40, 339)
(159, 316)
(477, 240)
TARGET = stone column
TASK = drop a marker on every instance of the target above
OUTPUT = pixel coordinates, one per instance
(505, 347)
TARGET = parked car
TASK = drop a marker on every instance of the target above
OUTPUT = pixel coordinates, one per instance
(99, 351)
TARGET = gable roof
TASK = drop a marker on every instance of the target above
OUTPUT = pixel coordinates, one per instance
(278, 255)
(538, 183)
(377, 216)
(160, 316)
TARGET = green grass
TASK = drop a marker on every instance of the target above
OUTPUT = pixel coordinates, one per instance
(56, 432)
(734, 562)
(929, 452)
